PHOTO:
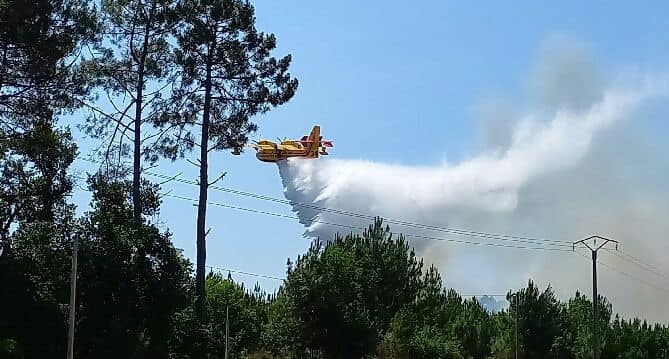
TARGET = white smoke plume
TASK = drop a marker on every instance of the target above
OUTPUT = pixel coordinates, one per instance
(548, 179)
(489, 182)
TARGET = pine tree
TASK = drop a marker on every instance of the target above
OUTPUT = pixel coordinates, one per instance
(227, 76)
(40, 78)
(39, 43)
(132, 66)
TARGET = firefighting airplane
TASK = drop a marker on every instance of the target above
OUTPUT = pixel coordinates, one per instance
(308, 147)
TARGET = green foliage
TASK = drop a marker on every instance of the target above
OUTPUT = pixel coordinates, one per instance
(440, 319)
(262, 355)
(636, 339)
(474, 330)
(131, 281)
(538, 318)
(33, 178)
(246, 312)
(135, 296)
(131, 66)
(38, 39)
(31, 322)
(345, 293)
(35, 221)
(578, 325)
(227, 76)
(9, 348)
(282, 334)
(39, 78)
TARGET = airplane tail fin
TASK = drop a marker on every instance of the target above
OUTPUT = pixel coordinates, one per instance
(315, 134)
(314, 141)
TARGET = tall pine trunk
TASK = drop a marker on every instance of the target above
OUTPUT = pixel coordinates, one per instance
(136, 165)
(137, 145)
(200, 310)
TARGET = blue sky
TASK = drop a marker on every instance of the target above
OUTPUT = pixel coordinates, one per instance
(395, 82)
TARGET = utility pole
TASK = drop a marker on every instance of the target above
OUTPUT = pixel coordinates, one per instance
(227, 328)
(73, 292)
(591, 244)
(517, 324)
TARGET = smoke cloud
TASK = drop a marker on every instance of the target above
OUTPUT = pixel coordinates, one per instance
(574, 164)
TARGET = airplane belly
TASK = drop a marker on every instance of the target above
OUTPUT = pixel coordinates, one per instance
(266, 157)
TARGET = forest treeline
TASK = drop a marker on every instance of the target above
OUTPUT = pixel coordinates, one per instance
(152, 80)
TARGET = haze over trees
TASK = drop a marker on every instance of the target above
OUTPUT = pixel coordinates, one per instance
(155, 79)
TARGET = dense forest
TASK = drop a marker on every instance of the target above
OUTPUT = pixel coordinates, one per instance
(152, 80)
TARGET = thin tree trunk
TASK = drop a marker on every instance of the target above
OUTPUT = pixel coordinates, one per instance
(5, 238)
(5, 245)
(137, 153)
(3, 65)
(136, 165)
(137, 145)
(200, 310)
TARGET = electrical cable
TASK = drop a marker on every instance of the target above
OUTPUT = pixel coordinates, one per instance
(245, 273)
(646, 266)
(265, 276)
(367, 216)
(604, 264)
(251, 210)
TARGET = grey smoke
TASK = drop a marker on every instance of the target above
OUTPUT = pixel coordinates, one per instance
(566, 76)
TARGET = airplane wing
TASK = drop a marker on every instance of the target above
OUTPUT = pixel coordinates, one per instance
(324, 143)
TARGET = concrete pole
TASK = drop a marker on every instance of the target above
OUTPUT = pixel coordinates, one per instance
(73, 294)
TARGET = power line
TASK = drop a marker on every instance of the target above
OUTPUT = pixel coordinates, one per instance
(357, 228)
(245, 273)
(257, 275)
(450, 230)
(499, 237)
(635, 278)
(646, 266)
(455, 231)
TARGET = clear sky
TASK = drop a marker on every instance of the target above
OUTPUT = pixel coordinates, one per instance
(395, 82)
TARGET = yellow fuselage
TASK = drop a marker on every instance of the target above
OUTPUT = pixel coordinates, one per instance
(269, 151)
